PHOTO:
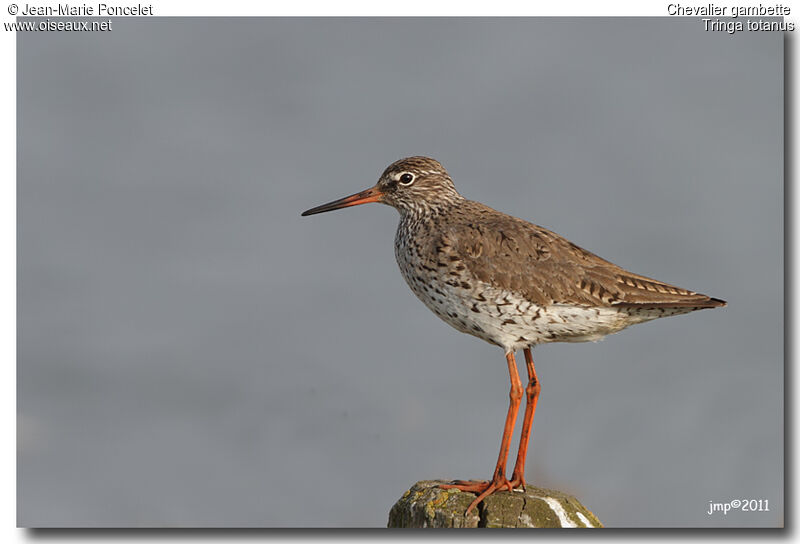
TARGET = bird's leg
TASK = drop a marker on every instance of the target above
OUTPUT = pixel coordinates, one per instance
(499, 481)
(518, 476)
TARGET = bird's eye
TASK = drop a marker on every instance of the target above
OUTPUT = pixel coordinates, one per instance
(407, 179)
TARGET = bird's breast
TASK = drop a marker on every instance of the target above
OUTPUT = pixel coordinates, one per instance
(454, 294)
(440, 286)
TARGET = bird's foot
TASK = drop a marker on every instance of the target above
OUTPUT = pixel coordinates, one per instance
(469, 486)
(482, 488)
(518, 482)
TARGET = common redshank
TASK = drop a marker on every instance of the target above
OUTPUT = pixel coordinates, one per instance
(508, 282)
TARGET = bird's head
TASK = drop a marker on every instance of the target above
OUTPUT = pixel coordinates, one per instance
(412, 185)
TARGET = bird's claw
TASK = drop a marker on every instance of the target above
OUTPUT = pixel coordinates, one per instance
(518, 483)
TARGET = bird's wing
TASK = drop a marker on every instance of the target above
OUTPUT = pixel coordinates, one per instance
(545, 268)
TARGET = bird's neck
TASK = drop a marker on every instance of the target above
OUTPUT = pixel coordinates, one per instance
(425, 211)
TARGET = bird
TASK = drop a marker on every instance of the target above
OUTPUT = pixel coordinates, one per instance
(508, 282)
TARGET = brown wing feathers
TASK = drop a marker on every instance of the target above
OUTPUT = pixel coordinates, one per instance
(546, 268)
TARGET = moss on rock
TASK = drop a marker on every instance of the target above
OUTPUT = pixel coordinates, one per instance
(427, 505)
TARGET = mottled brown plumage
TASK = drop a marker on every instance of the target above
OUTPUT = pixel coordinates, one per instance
(545, 268)
(509, 282)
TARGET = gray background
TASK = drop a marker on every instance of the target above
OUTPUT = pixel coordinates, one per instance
(192, 352)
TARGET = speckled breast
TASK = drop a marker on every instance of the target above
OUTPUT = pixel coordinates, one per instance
(443, 289)
(448, 289)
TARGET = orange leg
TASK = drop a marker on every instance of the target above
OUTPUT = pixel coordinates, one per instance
(518, 476)
(499, 481)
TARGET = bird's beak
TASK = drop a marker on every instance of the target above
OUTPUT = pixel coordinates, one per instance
(373, 194)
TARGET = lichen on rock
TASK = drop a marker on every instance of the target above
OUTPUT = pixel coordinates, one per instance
(427, 505)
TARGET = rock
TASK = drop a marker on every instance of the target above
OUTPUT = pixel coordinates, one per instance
(427, 505)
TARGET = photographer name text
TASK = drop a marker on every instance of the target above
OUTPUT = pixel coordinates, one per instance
(65, 10)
